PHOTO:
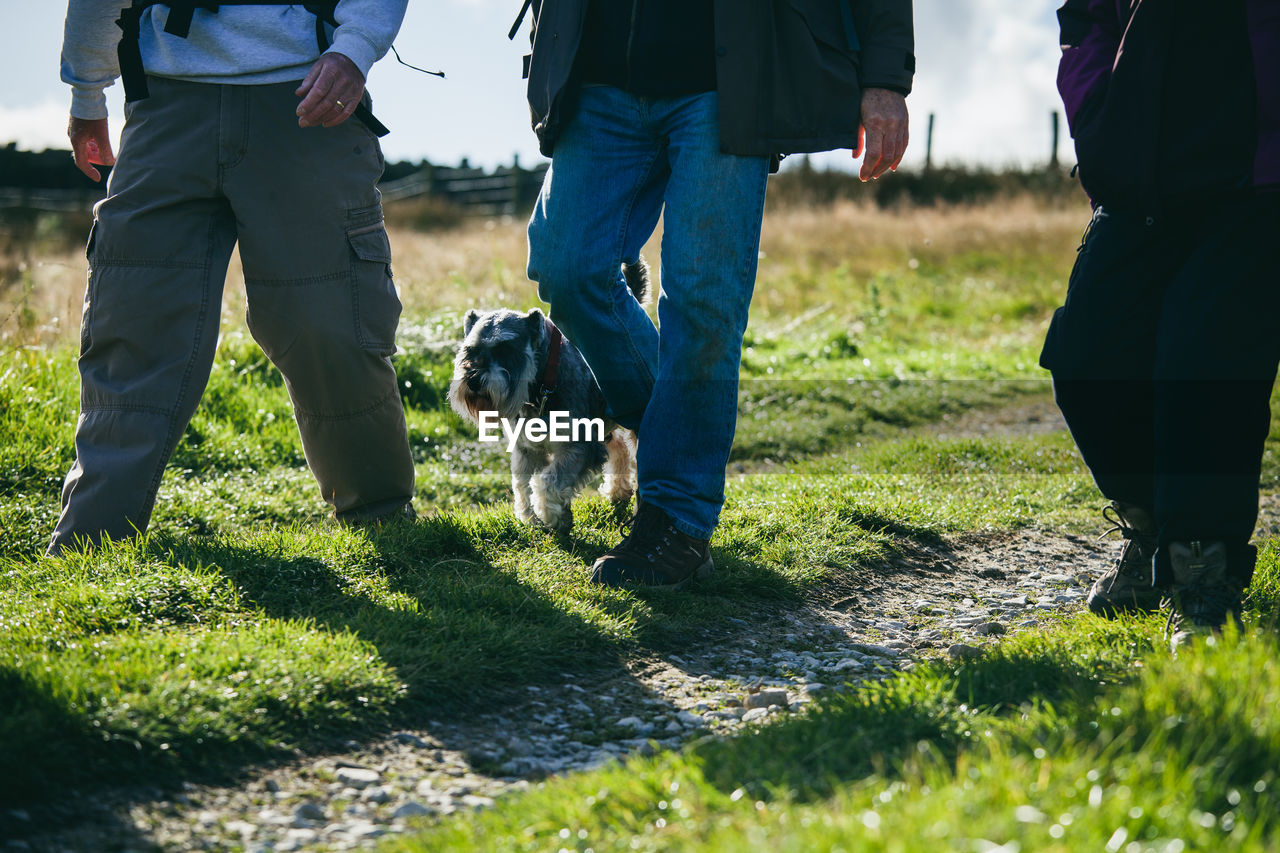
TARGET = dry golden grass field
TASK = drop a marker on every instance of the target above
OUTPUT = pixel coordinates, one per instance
(482, 262)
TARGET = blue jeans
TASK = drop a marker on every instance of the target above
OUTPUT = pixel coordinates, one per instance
(620, 162)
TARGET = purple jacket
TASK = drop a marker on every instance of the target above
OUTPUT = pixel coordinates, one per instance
(1113, 59)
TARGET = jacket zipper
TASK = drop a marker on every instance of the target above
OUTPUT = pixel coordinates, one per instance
(631, 39)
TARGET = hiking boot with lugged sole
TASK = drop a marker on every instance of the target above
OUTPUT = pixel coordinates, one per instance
(653, 554)
(1204, 594)
(1127, 586)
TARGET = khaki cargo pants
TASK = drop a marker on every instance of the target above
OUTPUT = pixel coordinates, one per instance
(201, 167)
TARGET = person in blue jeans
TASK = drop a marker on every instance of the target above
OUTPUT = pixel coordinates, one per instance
(654, 107)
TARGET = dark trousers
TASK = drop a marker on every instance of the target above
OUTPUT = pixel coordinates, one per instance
(1163, 360)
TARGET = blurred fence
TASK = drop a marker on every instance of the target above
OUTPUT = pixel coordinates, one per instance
(50, 201)
(506, 190)
(38, 188)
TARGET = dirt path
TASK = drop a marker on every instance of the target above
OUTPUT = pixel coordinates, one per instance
(943, 598)
(946, 598)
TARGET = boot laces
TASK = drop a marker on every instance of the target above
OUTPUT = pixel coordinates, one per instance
(647, 526)
(1132, 539)
(1201, 604)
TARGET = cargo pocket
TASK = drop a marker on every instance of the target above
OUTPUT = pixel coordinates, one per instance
(376, 307)
(86, 312)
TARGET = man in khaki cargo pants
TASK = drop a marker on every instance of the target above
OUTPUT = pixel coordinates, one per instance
(227, 146)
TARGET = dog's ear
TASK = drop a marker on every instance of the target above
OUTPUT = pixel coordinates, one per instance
(537, 325)
(469, 321)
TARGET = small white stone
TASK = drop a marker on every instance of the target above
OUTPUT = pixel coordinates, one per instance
(873, 649)
(357, 777)
(765, 698)
(755, 714)
(364, 829)
(301, 836)
(844, 665)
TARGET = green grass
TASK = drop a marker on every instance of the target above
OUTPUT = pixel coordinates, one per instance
(1083, 736)
(246, 628)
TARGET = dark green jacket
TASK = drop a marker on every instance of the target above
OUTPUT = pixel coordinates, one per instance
(789, 73)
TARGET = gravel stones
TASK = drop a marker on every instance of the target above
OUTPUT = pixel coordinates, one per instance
(963, 651)
(741, 674)
(308, 813)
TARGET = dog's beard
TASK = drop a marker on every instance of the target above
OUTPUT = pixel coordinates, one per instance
(500, 392)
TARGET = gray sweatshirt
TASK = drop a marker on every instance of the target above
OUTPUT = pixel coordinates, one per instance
(243, 45)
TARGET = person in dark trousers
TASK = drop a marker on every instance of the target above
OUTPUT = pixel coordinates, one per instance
(1164, 355)
(651, 107)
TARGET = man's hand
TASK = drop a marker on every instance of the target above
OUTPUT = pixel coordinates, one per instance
(90, 145)
(330, 92)
(883, 135)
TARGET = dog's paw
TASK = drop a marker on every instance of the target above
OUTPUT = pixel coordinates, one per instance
(565, 525)
(561, 525)
(525, 513)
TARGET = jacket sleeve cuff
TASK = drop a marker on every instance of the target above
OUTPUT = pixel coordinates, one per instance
(887, 68)
(88, 104)
(901, 91)
(354, 47)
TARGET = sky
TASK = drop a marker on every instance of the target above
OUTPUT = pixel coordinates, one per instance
(985, 68)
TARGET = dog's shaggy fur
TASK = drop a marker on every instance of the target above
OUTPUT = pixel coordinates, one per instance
(497, 369)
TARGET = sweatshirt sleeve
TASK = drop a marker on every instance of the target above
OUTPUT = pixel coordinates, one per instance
(887, 33)
(366, 29)
(89, 63)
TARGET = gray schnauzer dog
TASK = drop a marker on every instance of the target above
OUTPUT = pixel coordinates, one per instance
(520, 367)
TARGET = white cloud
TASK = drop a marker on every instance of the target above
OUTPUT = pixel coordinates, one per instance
(986, 69)
(35, 126)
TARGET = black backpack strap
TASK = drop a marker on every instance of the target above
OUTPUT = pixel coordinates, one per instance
(180, 14)
(515, 28)
(132, 72)
(324, 15)
(134, 76)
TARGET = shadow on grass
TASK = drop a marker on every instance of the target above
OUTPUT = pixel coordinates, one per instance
(58, 737)
(457, 630)
(879, 727)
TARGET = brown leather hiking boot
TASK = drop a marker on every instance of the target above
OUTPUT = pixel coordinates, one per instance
(1127, 586)
(654, 553)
